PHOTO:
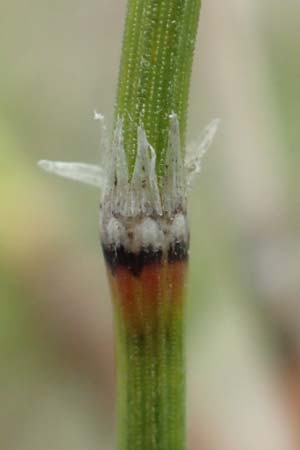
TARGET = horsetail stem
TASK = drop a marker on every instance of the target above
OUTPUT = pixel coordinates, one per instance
(144, 229)
(155, 70)
(143, 225)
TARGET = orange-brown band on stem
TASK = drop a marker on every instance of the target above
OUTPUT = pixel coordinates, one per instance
(147, 289)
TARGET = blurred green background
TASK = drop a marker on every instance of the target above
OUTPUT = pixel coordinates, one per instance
(59, 62)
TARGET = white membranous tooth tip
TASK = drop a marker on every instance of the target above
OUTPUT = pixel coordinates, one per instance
(98, 116)
(142, 195)
(197, 150)
(208, 135)
(173, 189)
(154, 184)
(145, 198)
(86, 173)
(115, 195)
(113, 168)
(45, 164)
(104, 140)
(121, 167)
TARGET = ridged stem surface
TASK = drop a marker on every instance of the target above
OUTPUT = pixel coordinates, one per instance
(150, 357)
(155, 71)
(154, 82)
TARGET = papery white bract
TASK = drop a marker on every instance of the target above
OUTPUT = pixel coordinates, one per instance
(85, 173)
(197, 150)
(144, 191)
(142, 195)
(173, 185)
(115, 191)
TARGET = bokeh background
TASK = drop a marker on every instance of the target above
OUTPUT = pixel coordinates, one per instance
(59, 62)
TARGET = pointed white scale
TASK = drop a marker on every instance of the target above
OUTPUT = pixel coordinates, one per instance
(197, 150)
(85, 173)
(173, 190)
(115, 195)
(142, 195)
(145, 197)
(154, 183)
(104, 140)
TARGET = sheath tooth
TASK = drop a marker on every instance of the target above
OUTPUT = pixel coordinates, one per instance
(197, 150)
(173, 189)
(85, 173)
(145, 197)
(116, 189)
(104, 146)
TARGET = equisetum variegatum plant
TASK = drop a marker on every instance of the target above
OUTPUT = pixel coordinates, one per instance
(144, 177)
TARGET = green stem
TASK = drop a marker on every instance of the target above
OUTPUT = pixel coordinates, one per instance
(151, 386)
(155, 70)
(154, 82)
(149, 311)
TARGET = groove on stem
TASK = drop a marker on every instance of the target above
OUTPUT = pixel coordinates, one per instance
(155, 71)
(150, 362)
(144, 229)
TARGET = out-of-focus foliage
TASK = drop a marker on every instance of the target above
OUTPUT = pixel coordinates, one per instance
(59, 61)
